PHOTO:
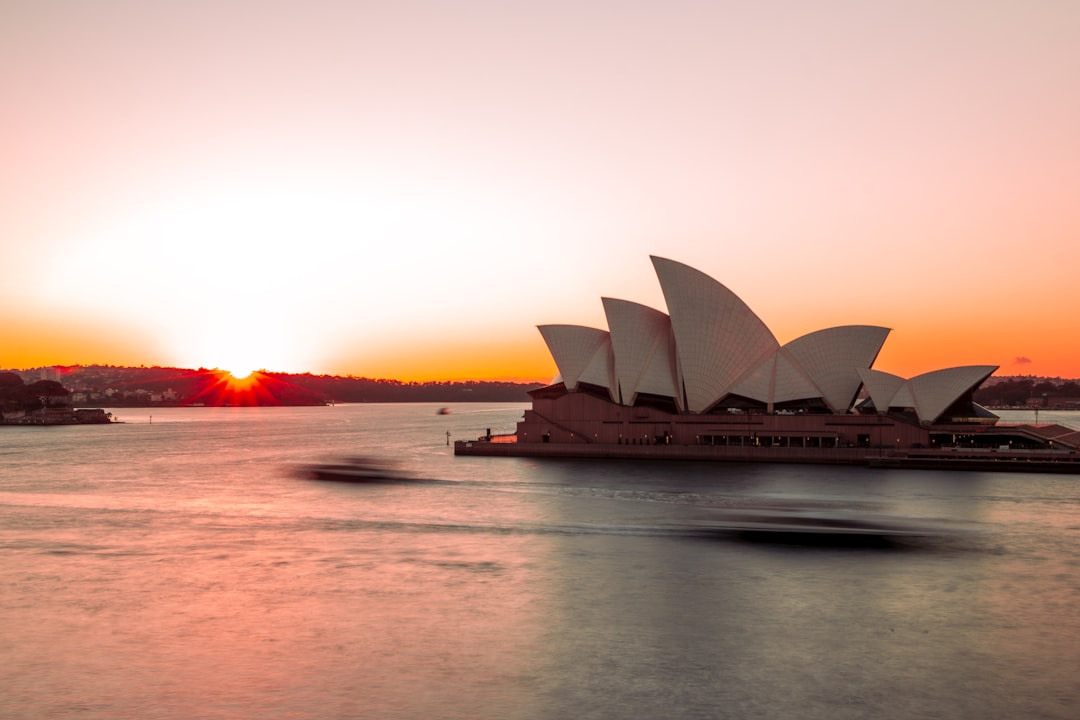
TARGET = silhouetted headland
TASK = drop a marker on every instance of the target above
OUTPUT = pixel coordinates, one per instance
(60, 387)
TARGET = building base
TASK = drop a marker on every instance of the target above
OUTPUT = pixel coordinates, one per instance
(1039, 461)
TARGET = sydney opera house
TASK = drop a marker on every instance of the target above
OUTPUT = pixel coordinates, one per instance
(708, 379)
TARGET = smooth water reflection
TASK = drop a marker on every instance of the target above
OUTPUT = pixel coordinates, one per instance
(178, 569)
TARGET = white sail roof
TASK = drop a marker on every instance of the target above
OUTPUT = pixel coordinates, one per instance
(935, 391)
(830, 358)
(718, 338)
(757, 383)
(601, 368)
(711, 345)
(881, 386)
(929, 394)
(821, 364)
(643, 350)
(574, 348)
(791, 381)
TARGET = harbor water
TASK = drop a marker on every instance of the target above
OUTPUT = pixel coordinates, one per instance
(178, 567)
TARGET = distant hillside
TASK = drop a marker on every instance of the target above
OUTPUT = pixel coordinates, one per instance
(112, 386)
(1020, 391)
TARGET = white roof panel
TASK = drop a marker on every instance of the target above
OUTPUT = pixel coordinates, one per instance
(792, 382)
(935, 391)
(830, 358)
(883, 388)
(643, 349)
(573, 347)
(757, 383)
(718, 339)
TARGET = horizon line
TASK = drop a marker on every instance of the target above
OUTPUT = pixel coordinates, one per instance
(264, 371)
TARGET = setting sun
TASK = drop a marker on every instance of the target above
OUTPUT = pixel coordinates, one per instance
(240, 382)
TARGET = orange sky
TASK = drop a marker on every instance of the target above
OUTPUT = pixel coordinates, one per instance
(407, 189)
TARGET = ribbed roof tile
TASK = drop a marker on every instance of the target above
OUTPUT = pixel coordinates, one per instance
(574, 348)
(830, 358)
(643, 348)
(718, 338)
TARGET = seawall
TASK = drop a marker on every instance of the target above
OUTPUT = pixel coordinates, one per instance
(948, 459)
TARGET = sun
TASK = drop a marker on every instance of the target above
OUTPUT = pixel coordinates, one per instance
(241, 374)
(240, 385)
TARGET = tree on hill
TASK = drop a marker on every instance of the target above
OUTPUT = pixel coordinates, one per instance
(15, 395)
(42, 392)
(48, 388)
(11, 387)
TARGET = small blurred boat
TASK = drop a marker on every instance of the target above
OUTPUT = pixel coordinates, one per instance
(356, 469)
(821, 523)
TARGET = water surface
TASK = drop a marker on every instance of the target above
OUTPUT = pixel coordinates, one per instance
(179, 569)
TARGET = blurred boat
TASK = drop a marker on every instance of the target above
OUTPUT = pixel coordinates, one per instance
(356, 469)
(821, 523)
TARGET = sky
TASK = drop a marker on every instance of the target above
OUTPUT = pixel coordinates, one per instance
(407, 189)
